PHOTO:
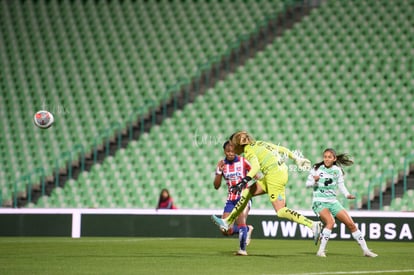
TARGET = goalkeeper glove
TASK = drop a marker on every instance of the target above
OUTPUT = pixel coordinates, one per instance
(239, 186)
(303, 164)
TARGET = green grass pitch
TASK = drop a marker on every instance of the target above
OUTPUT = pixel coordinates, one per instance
(43, 255)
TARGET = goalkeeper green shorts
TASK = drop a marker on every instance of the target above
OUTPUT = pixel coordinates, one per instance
(333, 207)
(274, 183)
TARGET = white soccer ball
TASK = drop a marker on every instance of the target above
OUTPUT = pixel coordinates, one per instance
(43, 119)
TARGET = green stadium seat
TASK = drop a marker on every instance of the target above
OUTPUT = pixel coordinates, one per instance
(317, 94)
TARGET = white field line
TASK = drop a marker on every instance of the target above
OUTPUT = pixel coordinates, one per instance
(353, 272)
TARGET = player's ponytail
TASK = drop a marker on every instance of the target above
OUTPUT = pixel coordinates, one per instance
(343, 160)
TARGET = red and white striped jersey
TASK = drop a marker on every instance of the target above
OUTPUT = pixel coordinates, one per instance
(233, 172)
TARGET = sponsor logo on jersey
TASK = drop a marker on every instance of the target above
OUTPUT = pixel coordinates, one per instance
(233, 175)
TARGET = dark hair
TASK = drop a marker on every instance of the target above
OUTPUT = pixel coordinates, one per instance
(341, 159)
(227, 142)
(161, 198)
(168, 199)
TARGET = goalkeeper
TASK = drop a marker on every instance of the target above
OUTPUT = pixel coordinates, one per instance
(268, 159)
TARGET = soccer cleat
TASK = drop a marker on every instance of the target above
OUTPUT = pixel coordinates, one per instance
(222, 224)
(369, 253)
(321, 254)
(316, 229)
(249, 234)
(242, 252)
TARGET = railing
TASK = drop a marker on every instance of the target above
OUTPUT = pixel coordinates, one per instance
(389, 174)
(379, 182)
(27, 180)
(407, 161)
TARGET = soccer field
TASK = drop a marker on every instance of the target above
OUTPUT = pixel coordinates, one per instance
(45, 255)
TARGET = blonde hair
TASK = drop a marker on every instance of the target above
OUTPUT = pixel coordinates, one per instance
(239, 139)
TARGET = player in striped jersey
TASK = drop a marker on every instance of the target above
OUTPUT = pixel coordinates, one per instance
(326, 177)
(267, 158)
(233, 168)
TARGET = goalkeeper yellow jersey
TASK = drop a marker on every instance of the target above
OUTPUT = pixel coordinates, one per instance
(264, 156)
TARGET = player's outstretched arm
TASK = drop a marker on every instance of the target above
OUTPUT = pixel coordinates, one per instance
(218, 174)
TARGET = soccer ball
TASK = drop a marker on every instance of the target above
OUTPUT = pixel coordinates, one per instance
(43, 119)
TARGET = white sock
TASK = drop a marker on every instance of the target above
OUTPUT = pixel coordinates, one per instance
(357, 235)
(326, 233)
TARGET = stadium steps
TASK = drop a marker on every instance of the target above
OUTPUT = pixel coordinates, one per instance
(187, 94)
(94, 59)
(404, 203)
(387, 198)
(368, 130)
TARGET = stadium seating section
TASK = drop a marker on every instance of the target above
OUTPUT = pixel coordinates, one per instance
(341, 78)
(95, 65)
(405, 203)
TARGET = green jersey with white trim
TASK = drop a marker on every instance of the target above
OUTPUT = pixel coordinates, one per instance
(330, 179)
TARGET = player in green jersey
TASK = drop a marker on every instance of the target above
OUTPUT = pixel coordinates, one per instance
(326, 177)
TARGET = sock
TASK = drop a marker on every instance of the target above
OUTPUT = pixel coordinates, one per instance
(357, 235)
(294, 216)
(241, 204)
(235, 229)
(242, 236)
(326, 233)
